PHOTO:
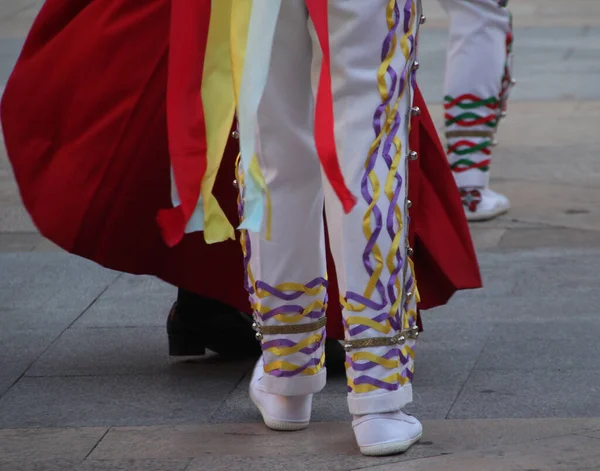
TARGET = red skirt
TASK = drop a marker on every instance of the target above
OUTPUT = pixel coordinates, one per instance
(85, 128)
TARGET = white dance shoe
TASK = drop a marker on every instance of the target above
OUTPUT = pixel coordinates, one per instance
(386, 434)
(483, 204)
(287, 413)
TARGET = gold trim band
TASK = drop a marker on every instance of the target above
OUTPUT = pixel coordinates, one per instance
(409, 334)
(289, 329)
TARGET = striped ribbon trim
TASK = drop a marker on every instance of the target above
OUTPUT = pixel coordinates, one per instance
(465, 148)
(462, 165)
(468, 118)
(471, 120)
(469, 101)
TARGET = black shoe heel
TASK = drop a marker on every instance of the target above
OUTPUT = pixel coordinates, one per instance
(186, 344)
(200, 324)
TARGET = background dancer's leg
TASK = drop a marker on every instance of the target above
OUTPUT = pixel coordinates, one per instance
(476, 87)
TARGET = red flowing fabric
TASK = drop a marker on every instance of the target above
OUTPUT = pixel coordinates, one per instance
(85, 125)
(186, 126)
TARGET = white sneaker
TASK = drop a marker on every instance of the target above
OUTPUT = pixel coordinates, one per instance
(483, 204)
(286, 413)
(386, 434)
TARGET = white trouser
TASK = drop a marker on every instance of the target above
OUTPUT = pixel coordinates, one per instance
(372, 52)
(476, 85)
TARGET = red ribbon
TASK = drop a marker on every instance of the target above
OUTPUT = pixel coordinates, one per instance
(186, 125)
(324, 120)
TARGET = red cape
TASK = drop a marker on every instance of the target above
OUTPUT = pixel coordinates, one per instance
(85, 128)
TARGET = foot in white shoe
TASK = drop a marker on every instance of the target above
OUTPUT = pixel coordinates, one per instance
(286, 413)
(386, 434)
(483, 204)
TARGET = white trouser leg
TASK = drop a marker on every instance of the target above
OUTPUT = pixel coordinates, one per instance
(290, 268)
(476, 74)
(372, 51)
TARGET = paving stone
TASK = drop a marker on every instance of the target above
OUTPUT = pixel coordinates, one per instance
(47, 246)
(131, 301)
(443, 369)
(14, 218)
(341, 462)
(219, 445)
(96, 465)
(530, 158)
(486, 238)
(42, 465)
(513, 309)
(125, 350)
(535, 274)
(556, 273)
(118, 400)
(549, 237)
(553, 203)
(21, 348)
(445, 355)
(33, 268)
(9, 51)
(453, 436)
(10, 9)
(17, 24)
(40, 319)
(6, 382)
(447, 351)
(559, 274)
(433, 402)
(228, 446)
(105, 351)
(223, 446)
(19, 242)
(554, 454)
(48, 444)
(134, 465)
(549, 392)
(8, 186)
(595, 434)
(39, 282)
(527, 346)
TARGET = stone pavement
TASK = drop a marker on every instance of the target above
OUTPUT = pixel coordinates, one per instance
(508, 377)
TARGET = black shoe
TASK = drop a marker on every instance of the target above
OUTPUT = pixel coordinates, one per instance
(335, 357)
(196, 324)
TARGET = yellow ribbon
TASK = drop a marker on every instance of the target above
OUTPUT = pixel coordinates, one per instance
(287, 366)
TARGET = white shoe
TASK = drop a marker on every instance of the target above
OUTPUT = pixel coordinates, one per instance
(286, 413)
(386, 434)
(483, 204)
